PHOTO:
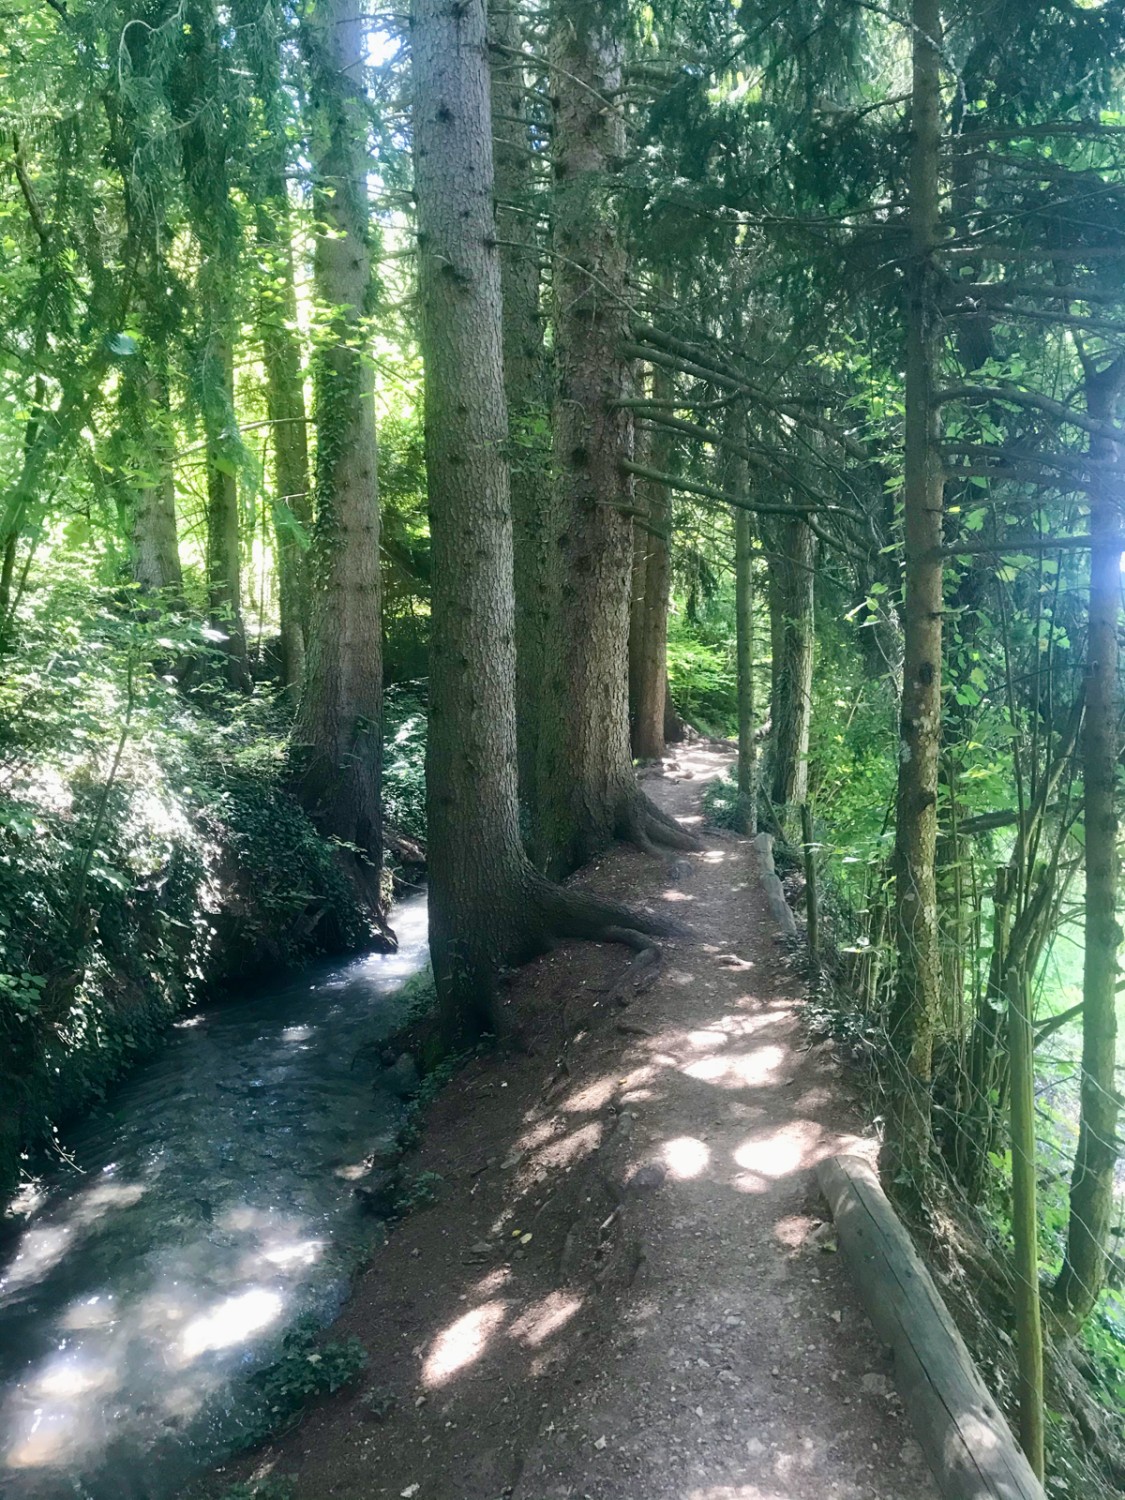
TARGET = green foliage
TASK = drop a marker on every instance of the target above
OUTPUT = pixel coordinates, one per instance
(148, 850)
(305, 1369)
(701, 673)
(418, 1192)
(852, 771)
(404, 759)
(720, 800)
(419, 994)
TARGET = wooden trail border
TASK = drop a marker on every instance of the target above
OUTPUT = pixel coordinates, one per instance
(962, 1431)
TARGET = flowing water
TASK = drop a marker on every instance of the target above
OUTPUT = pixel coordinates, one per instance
(202, 1211)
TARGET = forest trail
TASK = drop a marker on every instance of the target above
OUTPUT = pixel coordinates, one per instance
(620, 1292)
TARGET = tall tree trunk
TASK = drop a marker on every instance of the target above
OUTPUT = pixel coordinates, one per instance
(285, 405)
(651, 668)
(155, 542)
(224, 559)
(587, 792)
(1025, 1219)
(1091, 1188)
(337, 736)
(744, 648)
(208, 139)
(917, 994)
(637, 593)
(262, 28)
(488, 906)
(477, 869)
(737, 484)
(144, 386)
(292, 500)
(792, 603)
(526, 376)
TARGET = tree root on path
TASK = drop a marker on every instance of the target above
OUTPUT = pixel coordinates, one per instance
(567, 913)
(651, 828)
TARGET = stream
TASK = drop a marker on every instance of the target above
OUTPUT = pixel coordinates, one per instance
(198, 1214)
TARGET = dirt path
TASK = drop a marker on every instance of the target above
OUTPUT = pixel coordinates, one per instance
(621, 1293)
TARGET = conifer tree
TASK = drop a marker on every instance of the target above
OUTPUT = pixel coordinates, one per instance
(337, 736)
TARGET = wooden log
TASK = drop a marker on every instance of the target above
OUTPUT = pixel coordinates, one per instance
(961, 1430)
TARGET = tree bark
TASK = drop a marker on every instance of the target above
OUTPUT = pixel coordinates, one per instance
(526, 377)
(587, 792)
(337, 736)
(224, 558)
(637, 595)
(155, 541)
(792, 604)
(651, 665)
(917, 994)
(291, 506)
(144, 387)
(744, 649)
(1025, 1219)
(1091, 1188)
(488, 906)
(285, 403)
(208, 139)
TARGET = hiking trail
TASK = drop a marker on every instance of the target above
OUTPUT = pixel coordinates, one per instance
(622, 1290)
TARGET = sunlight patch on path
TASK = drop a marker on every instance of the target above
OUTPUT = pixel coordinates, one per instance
(462, 1343)
(776, 1153)
(685, 1157)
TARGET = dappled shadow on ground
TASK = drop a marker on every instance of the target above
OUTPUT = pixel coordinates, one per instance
(615, 1294)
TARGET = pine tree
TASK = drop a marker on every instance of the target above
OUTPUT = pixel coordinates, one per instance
(488, 907)
(337, 737)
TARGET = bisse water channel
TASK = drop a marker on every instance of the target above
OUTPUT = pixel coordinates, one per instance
(201, 1212)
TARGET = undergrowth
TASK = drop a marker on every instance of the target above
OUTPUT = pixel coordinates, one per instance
(149, 849)
(307, 1368)
(404, 759)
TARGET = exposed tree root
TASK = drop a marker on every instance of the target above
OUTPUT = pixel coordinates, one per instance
(568, 913)
(535, 913)
(648, 826)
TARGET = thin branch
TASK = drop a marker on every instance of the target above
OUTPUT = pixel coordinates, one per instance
(1034, 401)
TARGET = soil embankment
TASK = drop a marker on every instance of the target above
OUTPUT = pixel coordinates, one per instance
(622, 1291)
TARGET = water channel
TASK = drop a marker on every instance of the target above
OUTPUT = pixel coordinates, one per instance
(197, 1215)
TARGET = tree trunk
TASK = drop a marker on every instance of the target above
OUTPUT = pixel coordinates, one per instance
(673, 724)
(285, 406)
(338, 732)
(262, 29)
(792, 602)
(587, 792)
(1025, 1219)
(292, 500)
(917, 995)
(224, 562)
(647, 694)
(526, 377)
(155, 542)
(747, 810)
(744, 649)
(488, 906)
(1091, 1188)
(207, 142)
(144, 385)
(637, 595)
